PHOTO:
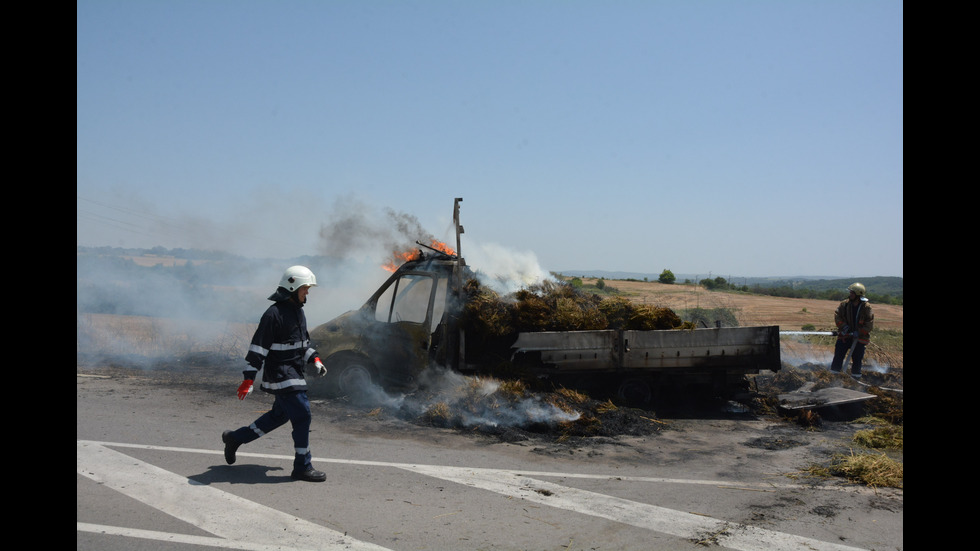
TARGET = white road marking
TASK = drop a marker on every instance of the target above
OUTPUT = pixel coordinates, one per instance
(179, 538)
(719, 484)
(220, 513)
(689, 526)
(518, 484)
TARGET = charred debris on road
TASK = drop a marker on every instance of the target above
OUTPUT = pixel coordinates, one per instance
(512, 402)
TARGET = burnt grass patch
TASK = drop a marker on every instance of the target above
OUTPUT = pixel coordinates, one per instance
(510, 411)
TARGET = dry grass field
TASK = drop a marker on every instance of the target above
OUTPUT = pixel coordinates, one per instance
(102, 336)
(790, 314)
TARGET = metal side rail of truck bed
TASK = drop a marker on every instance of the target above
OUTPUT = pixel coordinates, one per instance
(717, 355)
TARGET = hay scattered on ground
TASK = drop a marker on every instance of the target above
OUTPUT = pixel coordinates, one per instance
(876, 470)
(885, 414)
(884, 437)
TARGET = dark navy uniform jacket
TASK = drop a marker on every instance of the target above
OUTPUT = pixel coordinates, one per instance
(281, 345)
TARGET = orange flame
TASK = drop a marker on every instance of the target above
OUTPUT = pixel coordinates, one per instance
(402, 257)
(440, 246)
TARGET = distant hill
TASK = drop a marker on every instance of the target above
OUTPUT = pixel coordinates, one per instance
(769, 280)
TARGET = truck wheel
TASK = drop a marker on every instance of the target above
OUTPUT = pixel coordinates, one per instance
(635, 392)
(352, 378)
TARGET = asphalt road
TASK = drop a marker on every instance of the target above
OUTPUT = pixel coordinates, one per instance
(151, 475)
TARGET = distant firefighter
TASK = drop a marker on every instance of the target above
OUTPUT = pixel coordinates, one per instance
(855, 321)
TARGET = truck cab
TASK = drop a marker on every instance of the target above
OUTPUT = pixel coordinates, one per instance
(408, 323)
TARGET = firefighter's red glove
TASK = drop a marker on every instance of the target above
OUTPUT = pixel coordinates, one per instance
(244, 389)
(321, 370)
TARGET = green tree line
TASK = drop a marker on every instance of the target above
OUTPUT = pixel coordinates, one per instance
(886, 291)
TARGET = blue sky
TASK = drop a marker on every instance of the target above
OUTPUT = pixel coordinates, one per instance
(749, 138)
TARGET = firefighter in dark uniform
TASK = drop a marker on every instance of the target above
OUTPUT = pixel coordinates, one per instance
(281, 347)
(855, 321)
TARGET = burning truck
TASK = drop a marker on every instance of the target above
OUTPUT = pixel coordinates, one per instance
(418, 318)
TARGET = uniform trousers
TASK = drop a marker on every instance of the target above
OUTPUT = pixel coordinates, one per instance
(840, 350)
(290, 406)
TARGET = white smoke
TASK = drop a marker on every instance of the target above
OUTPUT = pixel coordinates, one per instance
(350, 242)
(504, 270)
(355, 231)
(796, 351)
(440, 386)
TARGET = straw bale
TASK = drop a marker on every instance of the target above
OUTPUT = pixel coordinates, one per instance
(531, 312)
(485, 313)
(553, 306)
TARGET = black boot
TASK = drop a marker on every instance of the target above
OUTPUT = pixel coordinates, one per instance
(309, 474)
(231, 446)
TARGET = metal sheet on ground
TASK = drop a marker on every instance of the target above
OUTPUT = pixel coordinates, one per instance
(806, 399)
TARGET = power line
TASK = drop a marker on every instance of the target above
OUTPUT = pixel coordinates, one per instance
(134, 221)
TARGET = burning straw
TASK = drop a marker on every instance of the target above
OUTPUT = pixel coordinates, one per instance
(512, 409)
(553, 306)
(488, 404)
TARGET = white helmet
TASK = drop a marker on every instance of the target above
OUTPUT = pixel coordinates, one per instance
(296, 277)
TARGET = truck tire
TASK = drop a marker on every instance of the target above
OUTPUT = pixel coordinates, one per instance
(635, 391)
(352, 377)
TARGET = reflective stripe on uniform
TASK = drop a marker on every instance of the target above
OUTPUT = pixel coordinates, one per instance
(290, 345)
(288, 383)
(278, 347)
